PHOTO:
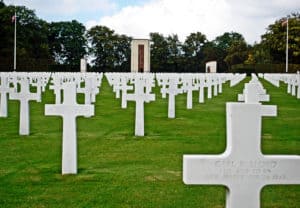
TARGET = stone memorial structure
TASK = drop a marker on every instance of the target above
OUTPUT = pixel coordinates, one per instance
(242, 168)
(83, 65)
(69, 110)
(140, 55)
(211, 67)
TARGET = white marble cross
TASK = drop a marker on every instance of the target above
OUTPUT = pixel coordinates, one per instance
(57, 87)
(38, 83)
(242, 168)
(140, 96)
(188, 87)
(209, 86)
(4, 90)
(236, 79)
(201, 86)
(122, 86)
(215, 84)
(173, 90)
(298, 89)
(87, 90)
(253, 94)
(24, 96)
(124, 90)
(69, 110)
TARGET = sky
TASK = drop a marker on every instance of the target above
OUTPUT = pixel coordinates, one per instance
(137, 18)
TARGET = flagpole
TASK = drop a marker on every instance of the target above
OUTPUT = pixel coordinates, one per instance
(15, 42)
(287, 47)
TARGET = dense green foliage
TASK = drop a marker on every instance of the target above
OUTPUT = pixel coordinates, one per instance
(67, 42)
(61, 45)
(275, 40)
(111, 51)
(117, 169)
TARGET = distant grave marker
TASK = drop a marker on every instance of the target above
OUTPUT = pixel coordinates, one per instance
(4, 91)
(140, 96)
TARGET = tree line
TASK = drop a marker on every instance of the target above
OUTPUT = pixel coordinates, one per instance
(64, 43)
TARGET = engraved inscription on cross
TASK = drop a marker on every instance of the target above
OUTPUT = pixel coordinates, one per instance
(69, 110)
(242, 168)
(140, 96)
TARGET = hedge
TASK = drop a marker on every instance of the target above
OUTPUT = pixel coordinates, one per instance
(264, 68)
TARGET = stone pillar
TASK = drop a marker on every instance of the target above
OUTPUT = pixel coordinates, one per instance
(211, 67)
(140, 55)
(83, 65)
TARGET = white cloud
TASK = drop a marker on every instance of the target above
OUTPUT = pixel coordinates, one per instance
(211, 17)
(66, 7)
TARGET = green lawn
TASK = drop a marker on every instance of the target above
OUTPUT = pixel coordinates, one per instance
(117, 169)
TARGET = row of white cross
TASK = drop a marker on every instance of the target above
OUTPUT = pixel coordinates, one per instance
(242, 168)
(65, 87)
(170, 83)
(291, 80)
(17, 86)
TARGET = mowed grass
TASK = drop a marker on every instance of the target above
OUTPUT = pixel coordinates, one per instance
(117, 169)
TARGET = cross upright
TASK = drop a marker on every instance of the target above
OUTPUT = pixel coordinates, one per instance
(242, 168)
(188, 87)
(40, 81)
(173, 90)
(4, 90)
(215, 81)
(24, 96)
(69, 110)
(162, 80)
(56, 87)
(252, 94)
(87, 90)
(124, 88)
(201, 85)
(209, 86)
(298, 89)
(140, 97)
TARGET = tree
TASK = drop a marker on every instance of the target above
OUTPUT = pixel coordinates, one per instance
(261, 53)
(111, 51)
(174, 53)
(275, 39)
(159, 53)
(223, 44)
(213, 53)
(193, 53)
(237, 53)
(31, 33)
(67, 42)
(32, 43)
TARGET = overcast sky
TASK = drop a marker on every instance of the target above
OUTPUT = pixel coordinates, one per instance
(137, 18)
